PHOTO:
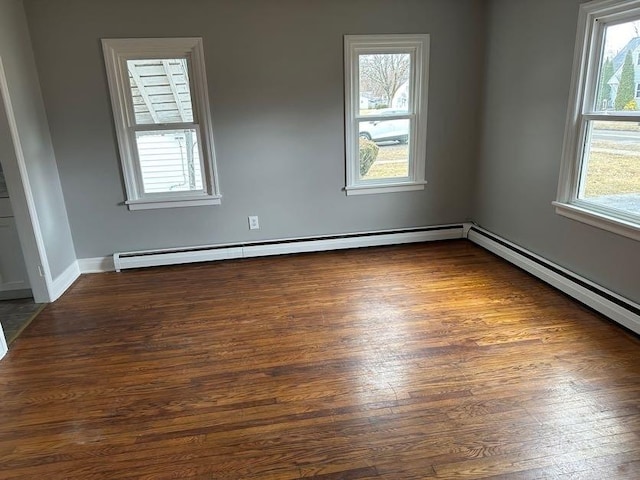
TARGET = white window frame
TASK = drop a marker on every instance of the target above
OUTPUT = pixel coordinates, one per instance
(418, 47)
(593, 18)
(116, 54)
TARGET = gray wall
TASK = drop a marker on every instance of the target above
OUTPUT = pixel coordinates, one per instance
(31, 119)
(276, 86)
(529, 59)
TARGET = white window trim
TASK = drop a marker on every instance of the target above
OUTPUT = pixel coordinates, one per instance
(418, 46)
(116, 53)
(584, 80)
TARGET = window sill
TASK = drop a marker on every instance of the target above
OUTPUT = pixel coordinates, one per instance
(384, 188)
(600, 220)
(148, 204)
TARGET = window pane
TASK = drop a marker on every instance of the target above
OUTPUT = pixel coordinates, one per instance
(385, 130)
(611, 170)
(620, 69)
(160, 91)
(169, 161)
(384, 82)
(384, 149)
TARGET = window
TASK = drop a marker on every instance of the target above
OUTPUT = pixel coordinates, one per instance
(600, 171)
(638, 90)
(160, 104)
(386, 112)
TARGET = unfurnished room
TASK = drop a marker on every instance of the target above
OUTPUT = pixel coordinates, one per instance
(329, 239)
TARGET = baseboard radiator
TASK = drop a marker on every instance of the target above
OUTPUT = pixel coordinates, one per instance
(208, 253)
(614, 306)
(620, 309)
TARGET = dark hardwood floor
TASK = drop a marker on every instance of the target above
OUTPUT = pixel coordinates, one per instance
(433, 360)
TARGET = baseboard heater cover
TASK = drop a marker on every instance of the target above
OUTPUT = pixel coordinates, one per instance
(208, 253)
(614, 306)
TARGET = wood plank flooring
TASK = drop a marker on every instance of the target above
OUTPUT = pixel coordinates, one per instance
(424, 361)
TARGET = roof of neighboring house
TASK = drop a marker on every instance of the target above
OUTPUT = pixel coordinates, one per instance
(618, 60)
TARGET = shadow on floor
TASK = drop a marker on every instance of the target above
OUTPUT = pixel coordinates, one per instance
(15, 315)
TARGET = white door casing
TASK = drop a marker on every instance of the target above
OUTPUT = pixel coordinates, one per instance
(22, 202)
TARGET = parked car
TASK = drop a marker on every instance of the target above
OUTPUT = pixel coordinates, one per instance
(393, 130)
(377, 103)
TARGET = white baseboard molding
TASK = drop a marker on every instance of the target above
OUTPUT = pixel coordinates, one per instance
(63, 281)
(3, 344)
(614, 306)
(96, 265)
(207, 253)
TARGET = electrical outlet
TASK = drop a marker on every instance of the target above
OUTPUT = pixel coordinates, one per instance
(253, 223)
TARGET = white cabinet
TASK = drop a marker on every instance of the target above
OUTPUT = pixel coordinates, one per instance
(14, 282)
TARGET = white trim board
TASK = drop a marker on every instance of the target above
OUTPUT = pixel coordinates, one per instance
(96, 265)
(3, 344)
(63, 281)
(205, 253)
(606, 302)
(23, 203)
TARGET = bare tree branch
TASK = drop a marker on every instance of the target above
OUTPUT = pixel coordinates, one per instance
(384, 74)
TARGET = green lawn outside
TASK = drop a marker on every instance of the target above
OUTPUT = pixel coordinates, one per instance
(614, 167)
(612, 174)
(392, 162)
